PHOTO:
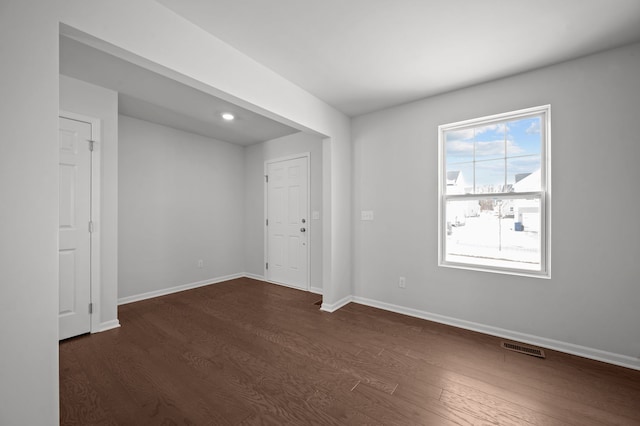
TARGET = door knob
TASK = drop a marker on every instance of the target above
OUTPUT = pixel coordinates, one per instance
(303, 229)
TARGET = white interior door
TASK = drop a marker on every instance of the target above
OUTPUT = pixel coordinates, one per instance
(288, 222)
(74, 231)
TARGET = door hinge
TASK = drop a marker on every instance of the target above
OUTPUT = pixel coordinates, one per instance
(266, 178)
(266, 265)
(91, 227)
(90, 308)
(267, 220)
(91, 145)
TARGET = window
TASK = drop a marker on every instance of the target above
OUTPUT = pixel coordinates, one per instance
(495, 194)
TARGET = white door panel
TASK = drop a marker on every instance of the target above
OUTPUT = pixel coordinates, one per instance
(74, 236)
(288, 222)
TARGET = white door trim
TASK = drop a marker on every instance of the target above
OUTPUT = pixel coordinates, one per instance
(95, 212)
(307, 156)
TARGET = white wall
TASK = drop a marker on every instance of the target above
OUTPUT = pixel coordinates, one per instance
(255, 157)
(590, 305)
(97, 102)
(29, 213)
(181, 199)
(340, 283)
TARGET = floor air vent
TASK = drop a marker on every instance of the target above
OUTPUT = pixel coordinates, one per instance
(527, 350)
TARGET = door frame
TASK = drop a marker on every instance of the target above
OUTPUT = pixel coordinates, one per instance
(94, 255)
(307, 157)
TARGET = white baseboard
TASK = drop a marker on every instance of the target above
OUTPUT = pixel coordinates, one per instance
(315, 290)
(255, 276)
(326, 307)
(107, 325)
(570, 348)
(176, 289)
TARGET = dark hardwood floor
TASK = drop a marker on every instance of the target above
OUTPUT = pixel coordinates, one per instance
(245, 352)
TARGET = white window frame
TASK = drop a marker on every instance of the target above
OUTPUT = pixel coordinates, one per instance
(544, 194)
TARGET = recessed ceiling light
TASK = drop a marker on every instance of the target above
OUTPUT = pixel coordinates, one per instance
(227, 116)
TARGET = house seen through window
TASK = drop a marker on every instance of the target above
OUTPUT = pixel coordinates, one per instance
(494, 193)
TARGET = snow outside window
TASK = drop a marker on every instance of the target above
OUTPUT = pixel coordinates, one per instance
(495, 193)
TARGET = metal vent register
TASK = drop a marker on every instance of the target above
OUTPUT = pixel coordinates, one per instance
(527, 350)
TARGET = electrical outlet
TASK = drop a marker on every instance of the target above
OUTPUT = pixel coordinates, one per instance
(402, 282)
(200, 263)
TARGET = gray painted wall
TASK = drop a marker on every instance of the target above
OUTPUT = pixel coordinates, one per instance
(184, 197)
(97, 102)
(181, 199)
(255, 157)
(29, 213)
(592, 298)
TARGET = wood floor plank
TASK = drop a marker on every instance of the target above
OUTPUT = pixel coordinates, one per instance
(572, 382)
(110, 389)
(433, 346)
(88, 409)
(521, 392)
(410, 413)
(456, 392)
(267, 373)
(310, 348)
(245, 352)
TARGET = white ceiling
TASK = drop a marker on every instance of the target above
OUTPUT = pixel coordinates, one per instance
(365, 55)
(152, 97)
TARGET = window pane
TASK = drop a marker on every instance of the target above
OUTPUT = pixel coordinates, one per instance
(489, 142)
(524, 174)
(459, 178)
(496, 157)
(524, 137)
(498, 233)
(459, 146)
(490, 176)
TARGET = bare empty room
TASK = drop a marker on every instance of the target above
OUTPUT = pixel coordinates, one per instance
(334, 213)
